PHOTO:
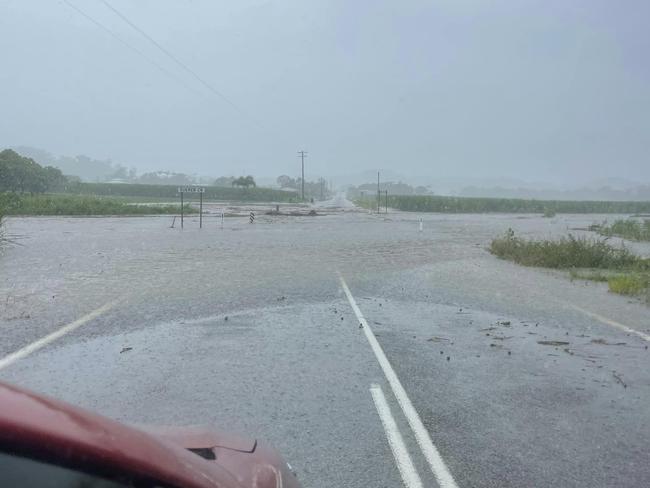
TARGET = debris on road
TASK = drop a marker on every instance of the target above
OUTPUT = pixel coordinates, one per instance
(125, 349)
(619, 379)
(553, 343)
(293, 213)
(607, 343)
(437, 339)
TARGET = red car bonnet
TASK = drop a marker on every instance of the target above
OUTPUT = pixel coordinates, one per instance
(39, 424)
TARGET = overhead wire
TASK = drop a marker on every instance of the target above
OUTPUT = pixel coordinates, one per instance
(129, 46)
(180, 63)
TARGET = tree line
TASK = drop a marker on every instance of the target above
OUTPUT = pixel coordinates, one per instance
(19, 174)
(313, 189)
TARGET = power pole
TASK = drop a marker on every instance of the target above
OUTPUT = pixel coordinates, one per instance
(302, 182)
(378, 193)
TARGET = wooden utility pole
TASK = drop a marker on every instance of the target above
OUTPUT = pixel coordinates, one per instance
(302, 182)
(378, 193)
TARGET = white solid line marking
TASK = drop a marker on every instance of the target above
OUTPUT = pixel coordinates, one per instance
(44, 341)
(438, 467)
(611, 322)
(402, 459)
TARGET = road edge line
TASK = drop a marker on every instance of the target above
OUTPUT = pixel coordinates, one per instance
(431, 454)
(611, 322)
(44, 341)
(405, 465)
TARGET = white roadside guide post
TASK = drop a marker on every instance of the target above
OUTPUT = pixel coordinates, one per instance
(420, 224)
(222, 219)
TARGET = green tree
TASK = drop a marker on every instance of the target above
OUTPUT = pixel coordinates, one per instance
(19, 174)
(244, 181)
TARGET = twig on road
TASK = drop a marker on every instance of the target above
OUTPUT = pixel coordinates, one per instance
(619, 379)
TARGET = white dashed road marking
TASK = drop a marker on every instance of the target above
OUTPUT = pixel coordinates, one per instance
(400, 453)
(44, 341)
(431, 454)
(611, 322)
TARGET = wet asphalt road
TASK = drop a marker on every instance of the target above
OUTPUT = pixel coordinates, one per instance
(514, 372)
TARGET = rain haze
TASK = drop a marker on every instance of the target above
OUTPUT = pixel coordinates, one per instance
(528, 91)
(324, 244)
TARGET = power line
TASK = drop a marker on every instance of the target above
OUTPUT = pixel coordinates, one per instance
(132, 48)
(176, 60)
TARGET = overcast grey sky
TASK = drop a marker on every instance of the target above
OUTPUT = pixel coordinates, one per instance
(539, 90)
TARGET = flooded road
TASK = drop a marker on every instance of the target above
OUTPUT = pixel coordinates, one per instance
(517, 375)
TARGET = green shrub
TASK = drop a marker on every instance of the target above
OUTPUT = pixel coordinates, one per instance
(564, 253)
(587, 259)
(629, 284)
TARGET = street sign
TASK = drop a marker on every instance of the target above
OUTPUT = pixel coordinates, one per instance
(191, 189)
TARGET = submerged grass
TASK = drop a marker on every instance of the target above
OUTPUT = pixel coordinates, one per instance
(61, 204)
(634, 230)
(591, 274)
(589, 259)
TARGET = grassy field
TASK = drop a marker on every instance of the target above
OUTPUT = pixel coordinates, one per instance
(169, 192)
(588, 259)
(62, 204)
(547, 208)
(634, 230)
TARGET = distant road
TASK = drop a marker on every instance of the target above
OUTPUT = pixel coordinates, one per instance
(337, 201)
